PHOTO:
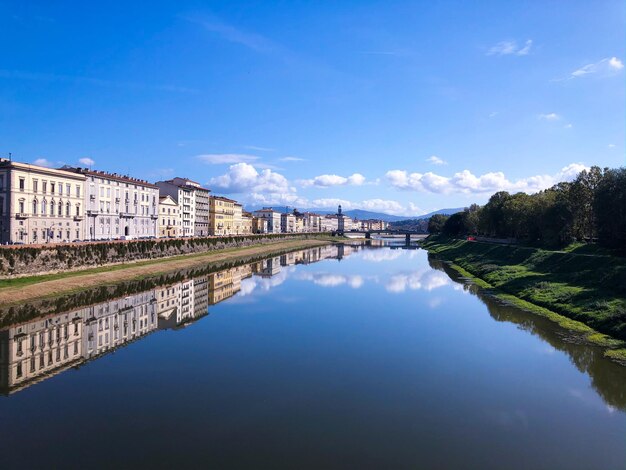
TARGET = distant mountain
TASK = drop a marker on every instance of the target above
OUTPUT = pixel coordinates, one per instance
(362, 214)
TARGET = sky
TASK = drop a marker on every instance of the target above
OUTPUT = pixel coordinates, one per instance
(402, 107)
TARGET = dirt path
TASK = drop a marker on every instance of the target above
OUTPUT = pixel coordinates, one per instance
(76, 282)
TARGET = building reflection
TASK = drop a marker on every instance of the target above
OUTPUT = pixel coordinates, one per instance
(43, 347)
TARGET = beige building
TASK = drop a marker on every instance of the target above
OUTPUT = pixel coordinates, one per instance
(237, 219)
(40, 205)
(170, 220)
(287, 223)
(246, 223)
(221, 215)
(259, 225)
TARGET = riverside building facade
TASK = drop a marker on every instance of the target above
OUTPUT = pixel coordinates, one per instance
(118, 206)
(39, 204)
(193, 204)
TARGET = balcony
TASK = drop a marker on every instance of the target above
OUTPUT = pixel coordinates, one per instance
(92, 212)
(78, 218)
(127, 214)
(154, 216)
(92, 197)
(21, 215)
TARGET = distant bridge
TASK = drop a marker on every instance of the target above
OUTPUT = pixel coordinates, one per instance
(368, 233)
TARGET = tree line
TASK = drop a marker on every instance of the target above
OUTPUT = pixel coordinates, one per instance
(591, 208)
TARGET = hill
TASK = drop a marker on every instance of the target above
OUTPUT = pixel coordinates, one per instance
(363, 214)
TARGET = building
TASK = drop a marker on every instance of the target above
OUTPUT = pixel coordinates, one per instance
(259, 225)
(185, 197)
(237, 219)
(40, 205)
(118, 206)
(287, 223)
(273, 219)
(312, 222)
(170, 220)
(193, 205)
(246, 223)
(221, 215)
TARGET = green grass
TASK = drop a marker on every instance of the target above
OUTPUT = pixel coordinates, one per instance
(580, 292)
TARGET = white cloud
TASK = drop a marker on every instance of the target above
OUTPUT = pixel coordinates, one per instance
(428, 281)
(292, 159)
(568, 125)
(43, 162)
(226, 158)
(331, 280)
(382, 205)
(611, 146)
(526, 49)
(435, 160)
(465, 182)
(510, 48)
(605, 67)
(549, 117)
(326, 181)
(86, 161)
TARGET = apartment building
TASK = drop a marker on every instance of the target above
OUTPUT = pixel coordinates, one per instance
(237, 219)
(221, 215)
(185, 197)
(259, 225)
(193, 202)
(170, 220)
(39, 204)
(118, 206)
(273, 219)
(246, 223)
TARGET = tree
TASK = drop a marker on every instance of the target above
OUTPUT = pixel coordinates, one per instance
(609, 207)
(436, 222)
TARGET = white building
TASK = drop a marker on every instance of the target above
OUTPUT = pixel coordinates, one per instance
(118, 206)
(193, 202)
(273, 219)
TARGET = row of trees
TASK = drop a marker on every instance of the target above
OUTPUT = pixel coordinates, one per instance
(590, 208)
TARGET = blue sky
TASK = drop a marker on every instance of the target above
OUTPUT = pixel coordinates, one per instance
(403, 107)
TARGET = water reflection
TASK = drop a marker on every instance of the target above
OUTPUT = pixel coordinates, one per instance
(607, 377)
(33, 350)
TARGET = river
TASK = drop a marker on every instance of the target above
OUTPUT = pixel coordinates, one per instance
(355, 356)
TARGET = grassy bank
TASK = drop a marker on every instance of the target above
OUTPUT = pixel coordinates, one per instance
(581, 292)
(22, 289)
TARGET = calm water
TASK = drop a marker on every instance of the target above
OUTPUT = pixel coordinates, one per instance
(349, 357)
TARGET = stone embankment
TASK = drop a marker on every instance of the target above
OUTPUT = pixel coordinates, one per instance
(26, 260)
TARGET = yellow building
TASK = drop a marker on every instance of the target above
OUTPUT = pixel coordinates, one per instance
(40, 205)
(170, 220)
(221, 215)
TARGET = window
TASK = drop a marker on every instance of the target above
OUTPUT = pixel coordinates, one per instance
(77, 210)
(67, 189)
(78, 190)
(21, 205)
(60, 208)
(44, 207)
(67, 209)
(44, 186)
(22, 184)
(60, 189)
(35, 186)
(1, 182)
(52, 187)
